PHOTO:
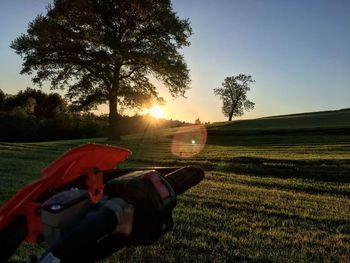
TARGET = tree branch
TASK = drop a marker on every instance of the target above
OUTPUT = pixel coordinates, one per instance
(131, 72)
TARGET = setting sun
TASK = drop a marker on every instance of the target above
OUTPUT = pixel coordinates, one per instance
(156, 112)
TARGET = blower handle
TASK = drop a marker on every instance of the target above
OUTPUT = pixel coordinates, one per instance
(184, 178)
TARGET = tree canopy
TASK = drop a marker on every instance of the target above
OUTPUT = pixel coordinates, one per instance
(34, 102)
(233, 93)
(106, 51)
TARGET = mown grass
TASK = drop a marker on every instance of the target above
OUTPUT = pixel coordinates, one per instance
(270, 198)
(313, 120)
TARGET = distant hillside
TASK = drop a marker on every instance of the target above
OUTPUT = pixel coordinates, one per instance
(325, 120)
(328, 127)
(307, 113)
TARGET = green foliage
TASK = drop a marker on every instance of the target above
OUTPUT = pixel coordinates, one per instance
(72, 126)
(18, 113)
(35, 102)
(233, 94)
(18, 125)
(32, 115)
(105, 51)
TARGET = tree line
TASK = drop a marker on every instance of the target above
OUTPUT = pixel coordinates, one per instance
(33, 102)
(33, 115)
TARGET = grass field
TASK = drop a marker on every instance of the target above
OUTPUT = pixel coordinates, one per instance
(276, 190)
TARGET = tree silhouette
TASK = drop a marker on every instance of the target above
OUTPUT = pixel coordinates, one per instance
(36, 102)
(2, 100)
(233, 93)
(106, 51)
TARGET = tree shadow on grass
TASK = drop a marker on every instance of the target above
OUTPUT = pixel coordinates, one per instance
(318, 170)
(323, 170)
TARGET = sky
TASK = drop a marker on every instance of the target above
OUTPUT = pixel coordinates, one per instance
(297, 51)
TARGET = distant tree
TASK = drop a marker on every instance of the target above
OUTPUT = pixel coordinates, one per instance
(46, 105)
(197, 121)
(233, 93)
(18, 113)
(105, 51)
(36, 102)
(30, 105)
(54, 104)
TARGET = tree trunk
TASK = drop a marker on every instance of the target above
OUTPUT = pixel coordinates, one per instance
(114, 132)
(230, 115)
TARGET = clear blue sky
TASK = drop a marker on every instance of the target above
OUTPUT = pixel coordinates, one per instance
(297, 51)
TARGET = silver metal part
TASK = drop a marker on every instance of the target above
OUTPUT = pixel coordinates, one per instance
(49, 258)
(56, 207)
(124, 213)
(60, 210)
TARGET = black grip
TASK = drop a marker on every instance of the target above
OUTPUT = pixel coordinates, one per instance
(184, 178)
(95, 225)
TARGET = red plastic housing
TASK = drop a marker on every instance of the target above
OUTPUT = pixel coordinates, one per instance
(85, 160)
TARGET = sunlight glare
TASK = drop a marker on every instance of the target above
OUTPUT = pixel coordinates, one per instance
(156, 112)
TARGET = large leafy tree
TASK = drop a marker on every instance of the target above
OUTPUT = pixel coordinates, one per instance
(233, 93)
(107, 51)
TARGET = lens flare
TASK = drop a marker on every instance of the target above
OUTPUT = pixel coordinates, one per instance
(189, 141)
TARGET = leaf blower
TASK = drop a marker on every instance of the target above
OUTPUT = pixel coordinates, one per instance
(85, 209)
